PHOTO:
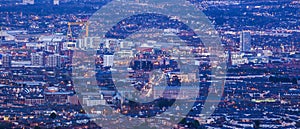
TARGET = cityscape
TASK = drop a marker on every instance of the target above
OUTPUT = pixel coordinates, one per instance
(57, 72)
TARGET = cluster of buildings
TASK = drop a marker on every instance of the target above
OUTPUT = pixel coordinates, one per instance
(262, 78)
(54, 2)
(46, 52)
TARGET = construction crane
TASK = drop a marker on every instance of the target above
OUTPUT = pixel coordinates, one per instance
(69, 33)
(70, 44)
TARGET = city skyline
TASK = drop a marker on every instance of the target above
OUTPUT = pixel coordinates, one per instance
(241, 62)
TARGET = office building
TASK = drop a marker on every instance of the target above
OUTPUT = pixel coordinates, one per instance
(53, 60)
(37, 59)
(6, 60)
(108, 60)
(245, 41)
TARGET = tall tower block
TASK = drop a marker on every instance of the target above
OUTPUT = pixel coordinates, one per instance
(245, 41)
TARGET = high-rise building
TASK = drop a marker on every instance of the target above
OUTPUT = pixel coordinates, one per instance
(53, 60)
(108, 60)
(28, 1)
(55, 2)
(37, 59)
(245, 41)
(229, 61)
(6, 60)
